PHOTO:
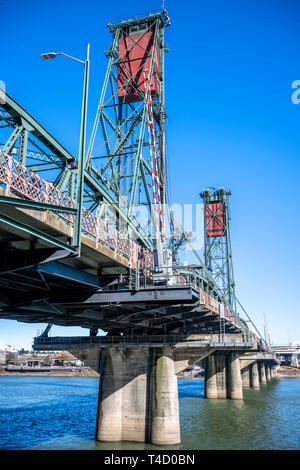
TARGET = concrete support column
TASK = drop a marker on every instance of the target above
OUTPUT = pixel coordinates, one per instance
(262, 370)
(215, 376)
(221, 372)
(138, 397)
(235, 385)
(109, 418)
(134, 395)
(210, 377)
(268, 373)
(165, 429)
(246, 377)
(255, 376)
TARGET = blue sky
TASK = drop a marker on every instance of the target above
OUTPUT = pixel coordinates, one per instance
(231, 121)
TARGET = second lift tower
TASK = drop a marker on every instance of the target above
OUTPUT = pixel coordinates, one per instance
(218, 256)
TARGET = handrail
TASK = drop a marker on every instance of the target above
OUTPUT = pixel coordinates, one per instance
(25, 183)
(142, 340)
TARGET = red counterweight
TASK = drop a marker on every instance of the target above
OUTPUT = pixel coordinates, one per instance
(215, 219)
(135, 58)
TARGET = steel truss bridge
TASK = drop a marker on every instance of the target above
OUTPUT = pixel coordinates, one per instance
(287, 354)
(120, 279)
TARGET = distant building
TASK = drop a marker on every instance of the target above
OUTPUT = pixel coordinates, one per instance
(61, 359)
(2, 357)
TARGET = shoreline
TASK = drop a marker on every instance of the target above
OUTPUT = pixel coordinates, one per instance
(284, 372)
(89, 373)
(288, 371)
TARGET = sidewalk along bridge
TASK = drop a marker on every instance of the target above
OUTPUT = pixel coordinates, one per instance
(122, 275)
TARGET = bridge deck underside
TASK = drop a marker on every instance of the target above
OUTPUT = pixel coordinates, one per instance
(54, 293)
(39, 284)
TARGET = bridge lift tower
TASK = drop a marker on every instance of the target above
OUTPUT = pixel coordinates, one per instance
(126, 151)
(218, 257)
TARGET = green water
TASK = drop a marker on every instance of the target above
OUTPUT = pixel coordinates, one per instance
(60, 413)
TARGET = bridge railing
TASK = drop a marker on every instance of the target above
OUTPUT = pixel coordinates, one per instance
(197, 340)
(25, 183)
(217, 307)
(210, 302)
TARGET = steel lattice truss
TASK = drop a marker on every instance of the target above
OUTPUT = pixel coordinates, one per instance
(124, 174)
(126, 149)
(37, 168)
(33, 146)
(218, 258)
(118, 180)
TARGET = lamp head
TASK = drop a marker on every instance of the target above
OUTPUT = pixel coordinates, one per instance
(49, 55)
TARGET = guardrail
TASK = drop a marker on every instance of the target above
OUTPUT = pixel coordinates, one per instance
(83, 342)
(25, 183)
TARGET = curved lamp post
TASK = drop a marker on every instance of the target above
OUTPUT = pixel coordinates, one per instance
(80, 168)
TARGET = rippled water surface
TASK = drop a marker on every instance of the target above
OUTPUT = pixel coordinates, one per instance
(60, 413)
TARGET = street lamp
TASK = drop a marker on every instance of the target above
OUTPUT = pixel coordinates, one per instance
(80, 169)
(52, 55)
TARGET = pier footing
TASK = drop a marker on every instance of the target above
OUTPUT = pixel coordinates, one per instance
(262, 374)
(223, 376)
(138, 396)
(255, 375)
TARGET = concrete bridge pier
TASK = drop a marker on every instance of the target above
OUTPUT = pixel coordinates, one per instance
(246, 377)
(250, 373)
(138, 396)
(223, 376)
(262, 373)
(255, 375)
(273, 372)
(165, 426)
(215, 376)
(210, 383)
(268, 373)
(235, 378)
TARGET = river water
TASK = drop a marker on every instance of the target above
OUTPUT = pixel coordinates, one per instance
(60, 413)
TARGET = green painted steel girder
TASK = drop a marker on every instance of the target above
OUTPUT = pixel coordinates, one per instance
(98, 187)
(7, 147)
(36, 205)
(37, 233)
(16, 111)
(129, 179)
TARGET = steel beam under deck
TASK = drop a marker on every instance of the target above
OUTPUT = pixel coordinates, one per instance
(149, 295)
(198, 341)
(37, 294)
